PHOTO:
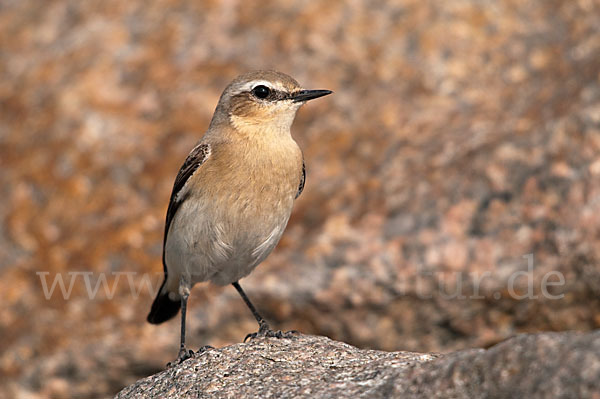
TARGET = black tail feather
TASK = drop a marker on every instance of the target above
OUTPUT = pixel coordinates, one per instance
(163, 308)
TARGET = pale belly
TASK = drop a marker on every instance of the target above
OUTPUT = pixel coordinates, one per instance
(207, 243)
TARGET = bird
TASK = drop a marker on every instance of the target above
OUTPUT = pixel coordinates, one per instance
(233, 195)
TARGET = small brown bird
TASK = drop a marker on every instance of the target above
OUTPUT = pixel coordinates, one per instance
(234, 194)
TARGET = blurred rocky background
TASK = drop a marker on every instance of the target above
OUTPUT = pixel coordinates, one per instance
(453, 179)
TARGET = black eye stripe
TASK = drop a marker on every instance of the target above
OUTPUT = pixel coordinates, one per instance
(280, 95)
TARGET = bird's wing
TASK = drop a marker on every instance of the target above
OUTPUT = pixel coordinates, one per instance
(197, 157)
(302, 180)
(163, 308)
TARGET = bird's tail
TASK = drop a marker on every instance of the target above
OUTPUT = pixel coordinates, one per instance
(163, 308)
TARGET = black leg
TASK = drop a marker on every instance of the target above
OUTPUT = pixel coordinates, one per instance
(184, 299)
(183, 352)
(263, 330)
(262, 323)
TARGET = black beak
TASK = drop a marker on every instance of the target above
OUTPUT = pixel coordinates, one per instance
(305, 95)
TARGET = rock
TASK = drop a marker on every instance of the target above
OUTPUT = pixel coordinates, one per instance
(546, 365)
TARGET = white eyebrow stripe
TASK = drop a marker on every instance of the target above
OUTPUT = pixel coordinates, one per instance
(250, 85)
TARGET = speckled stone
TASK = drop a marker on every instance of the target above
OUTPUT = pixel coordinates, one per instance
(549, 365)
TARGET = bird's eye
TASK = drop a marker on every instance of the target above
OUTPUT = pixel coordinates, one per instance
(261, 91)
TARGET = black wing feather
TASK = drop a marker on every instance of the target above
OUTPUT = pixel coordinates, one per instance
(163, 308)
(302, 180)
(193, 161)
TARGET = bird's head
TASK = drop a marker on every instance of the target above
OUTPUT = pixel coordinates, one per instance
(263, 101)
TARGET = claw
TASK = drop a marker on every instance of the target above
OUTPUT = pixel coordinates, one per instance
(184, 354)
(204, 348)
(268, 333)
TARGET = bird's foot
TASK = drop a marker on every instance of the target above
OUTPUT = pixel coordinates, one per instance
(184, 354)
(203, 349)
(265, 332)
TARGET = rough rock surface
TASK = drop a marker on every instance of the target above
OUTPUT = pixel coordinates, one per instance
(549, 365)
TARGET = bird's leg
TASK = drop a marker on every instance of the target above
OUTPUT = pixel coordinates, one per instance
(262, 323)
(263, 327)
(184, 292)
